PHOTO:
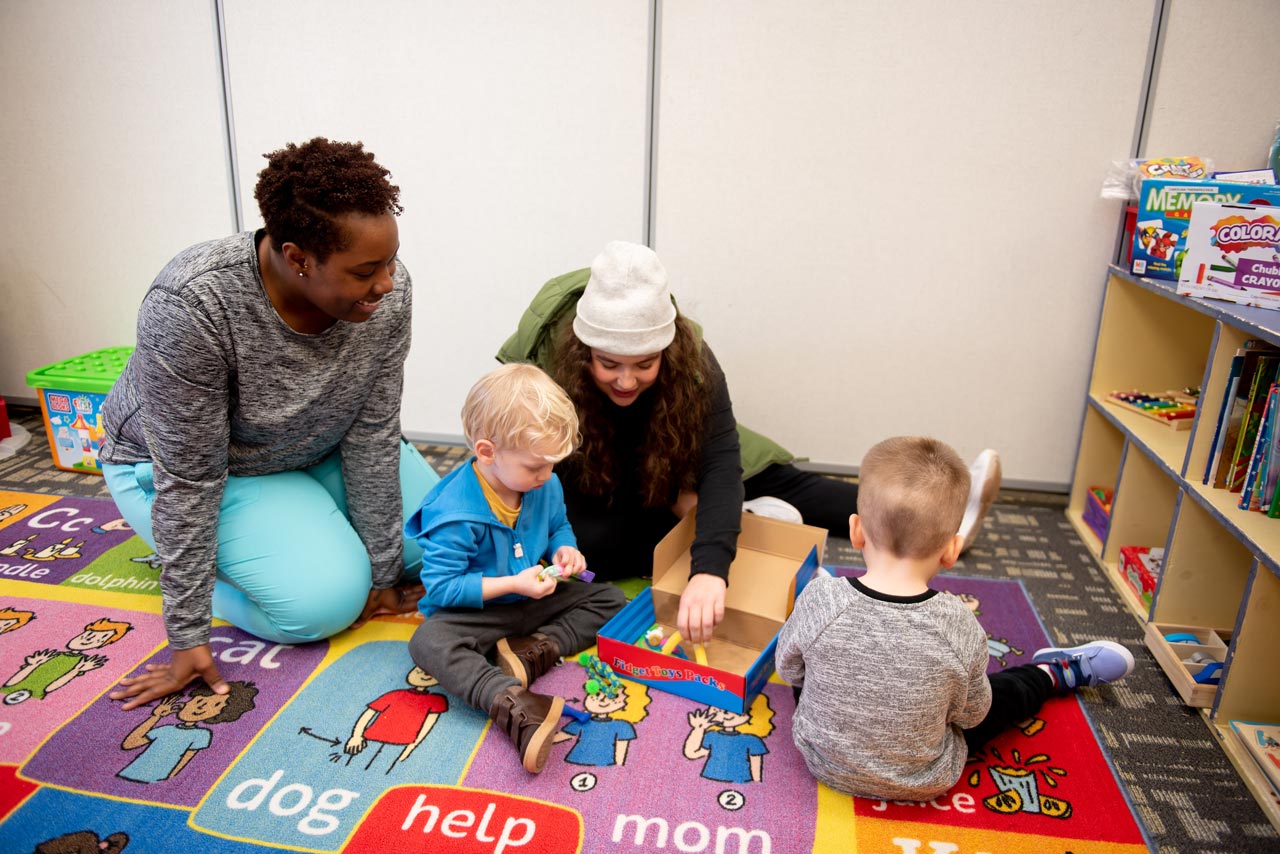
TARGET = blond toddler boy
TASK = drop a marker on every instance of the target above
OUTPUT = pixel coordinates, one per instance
(495, 621)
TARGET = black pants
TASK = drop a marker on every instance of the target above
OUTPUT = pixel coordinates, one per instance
(823, 502)
(455, 645)
(1017, 693)
(618, 537)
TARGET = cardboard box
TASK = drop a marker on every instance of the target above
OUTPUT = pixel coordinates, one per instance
(1233, 253)
(1141, 566)
(71, 396)
(1164, 216)
(775, 560)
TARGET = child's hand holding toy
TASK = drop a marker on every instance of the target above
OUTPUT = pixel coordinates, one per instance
(534, 582)
(568, 563)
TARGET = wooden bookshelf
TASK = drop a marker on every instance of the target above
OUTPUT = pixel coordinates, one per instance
(1221, 575)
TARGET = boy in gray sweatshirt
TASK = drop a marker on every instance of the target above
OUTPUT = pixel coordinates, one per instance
(893, 688)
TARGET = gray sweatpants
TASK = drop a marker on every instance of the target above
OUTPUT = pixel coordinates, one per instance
(455, 645)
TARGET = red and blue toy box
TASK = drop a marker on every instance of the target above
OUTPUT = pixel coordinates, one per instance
(775, 560)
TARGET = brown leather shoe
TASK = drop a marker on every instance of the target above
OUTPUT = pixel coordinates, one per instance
(529, 720)
(527, 658)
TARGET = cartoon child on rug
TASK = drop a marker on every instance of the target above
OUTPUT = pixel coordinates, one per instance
(168, 748)
(402, 717)
(732, 743)
(11, 619)
(45, 671)
(604, 737)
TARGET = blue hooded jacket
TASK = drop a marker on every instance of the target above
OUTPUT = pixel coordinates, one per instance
(463, 541)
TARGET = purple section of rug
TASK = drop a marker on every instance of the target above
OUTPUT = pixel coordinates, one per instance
(56, 542)
(142, 754)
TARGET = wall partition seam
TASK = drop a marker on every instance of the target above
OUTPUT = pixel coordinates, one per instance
(228, 119)
(1155, 51)
(1146, 100)
(651, 123)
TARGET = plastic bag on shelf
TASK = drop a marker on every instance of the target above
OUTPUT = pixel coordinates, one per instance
(1123, 179)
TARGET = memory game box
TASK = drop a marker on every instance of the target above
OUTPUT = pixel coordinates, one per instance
(1160, 234)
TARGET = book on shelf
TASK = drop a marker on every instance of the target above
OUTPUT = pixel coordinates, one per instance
(1259, 457)
(1260, 380)
(1262, 742)
(1269, 475)
(1228, 420)
(1272, 487)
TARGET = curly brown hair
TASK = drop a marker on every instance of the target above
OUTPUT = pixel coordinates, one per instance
(672, 447)
(240, 699)
(305, 188)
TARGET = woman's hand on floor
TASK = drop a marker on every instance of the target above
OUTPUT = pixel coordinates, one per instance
(161, 680)
(701, 607)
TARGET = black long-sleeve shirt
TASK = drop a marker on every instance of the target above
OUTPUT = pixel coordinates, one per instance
(719, 476)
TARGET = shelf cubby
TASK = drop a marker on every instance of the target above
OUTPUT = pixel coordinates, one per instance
(1216, 607)
(1141, 515)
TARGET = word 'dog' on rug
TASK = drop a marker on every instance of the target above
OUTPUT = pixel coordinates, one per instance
(345, 746)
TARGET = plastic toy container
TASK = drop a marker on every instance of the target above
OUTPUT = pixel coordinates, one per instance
(71, 396)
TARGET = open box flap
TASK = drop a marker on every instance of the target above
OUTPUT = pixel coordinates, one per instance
(763, 578)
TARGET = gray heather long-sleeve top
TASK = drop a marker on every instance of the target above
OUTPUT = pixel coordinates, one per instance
(219, 384)
(889, 683)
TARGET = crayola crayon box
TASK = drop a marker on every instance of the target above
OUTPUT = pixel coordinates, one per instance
(775, 560)
(1164, 216)
(1233, 253)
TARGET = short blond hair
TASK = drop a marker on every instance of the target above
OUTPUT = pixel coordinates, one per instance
(518, 407)
(912, 492)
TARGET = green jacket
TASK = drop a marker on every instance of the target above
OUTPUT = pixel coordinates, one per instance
(532, 342)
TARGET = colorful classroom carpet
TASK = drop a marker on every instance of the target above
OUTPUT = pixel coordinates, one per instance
(329, 748)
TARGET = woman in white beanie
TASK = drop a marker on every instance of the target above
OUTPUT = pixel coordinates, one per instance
(659, 434)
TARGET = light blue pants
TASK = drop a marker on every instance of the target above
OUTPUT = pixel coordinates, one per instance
(291, 569)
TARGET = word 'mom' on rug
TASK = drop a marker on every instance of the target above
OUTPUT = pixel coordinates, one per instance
(339, 746)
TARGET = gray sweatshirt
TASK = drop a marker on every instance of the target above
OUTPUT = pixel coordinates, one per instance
(220, 385)
(889, 684)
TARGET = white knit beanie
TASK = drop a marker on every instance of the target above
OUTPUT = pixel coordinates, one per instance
(626, 309)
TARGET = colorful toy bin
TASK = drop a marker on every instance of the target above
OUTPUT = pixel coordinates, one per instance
(775, 560)
(71, 396)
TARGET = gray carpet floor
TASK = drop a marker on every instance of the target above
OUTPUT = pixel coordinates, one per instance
(1184, 790)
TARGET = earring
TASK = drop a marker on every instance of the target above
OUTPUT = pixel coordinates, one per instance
(301, 274)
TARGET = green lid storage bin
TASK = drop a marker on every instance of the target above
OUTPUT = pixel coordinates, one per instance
(71, 396)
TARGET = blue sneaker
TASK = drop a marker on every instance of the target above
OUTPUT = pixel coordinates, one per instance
(1086, 665)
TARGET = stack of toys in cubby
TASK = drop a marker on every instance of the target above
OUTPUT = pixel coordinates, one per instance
(1245, 455)
(1213, 233)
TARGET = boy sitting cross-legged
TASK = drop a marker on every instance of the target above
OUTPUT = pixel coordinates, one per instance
(891, 675)
(485, 530)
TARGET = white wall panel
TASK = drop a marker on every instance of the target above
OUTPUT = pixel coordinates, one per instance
(113, 159)
(887, 216)
(1215, 94)
(516, 132)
